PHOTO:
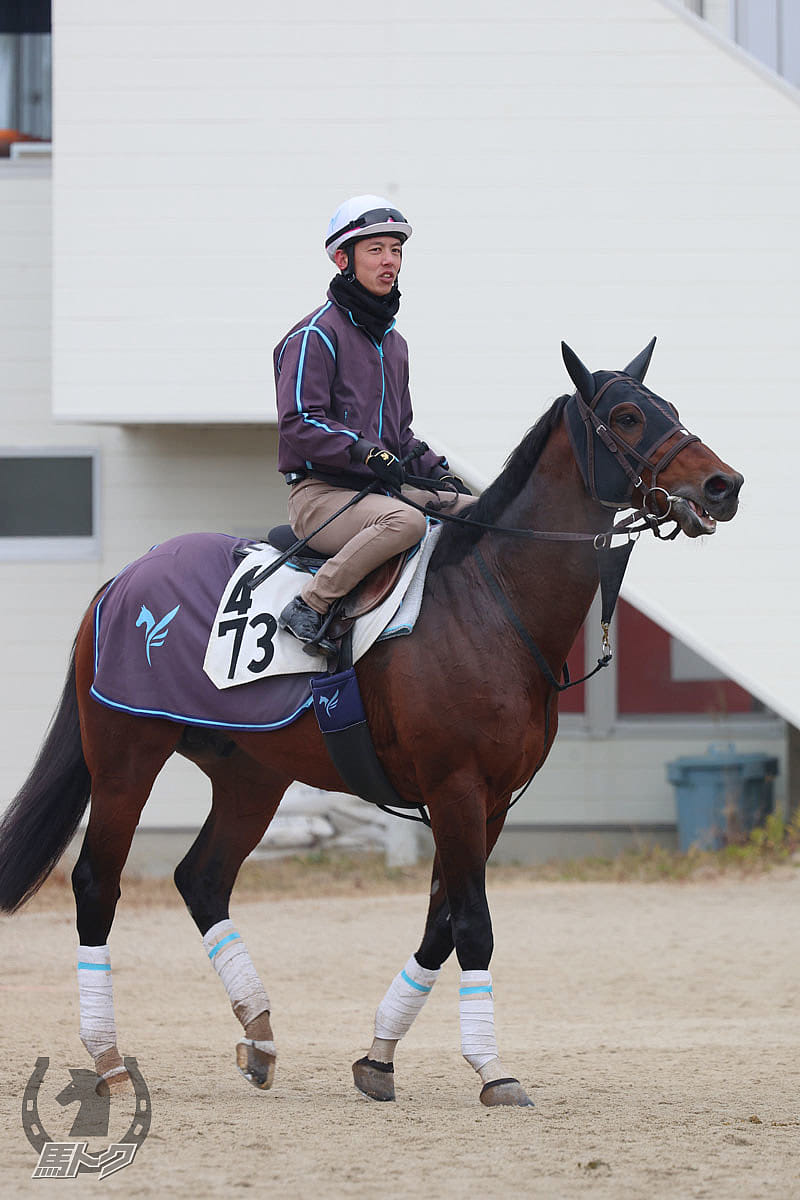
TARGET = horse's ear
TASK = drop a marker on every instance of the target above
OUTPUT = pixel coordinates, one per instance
(580, 375)
(637, 369)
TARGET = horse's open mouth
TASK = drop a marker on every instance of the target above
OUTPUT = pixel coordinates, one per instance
(693, 519)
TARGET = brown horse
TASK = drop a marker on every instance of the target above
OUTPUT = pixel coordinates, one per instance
(462, 713)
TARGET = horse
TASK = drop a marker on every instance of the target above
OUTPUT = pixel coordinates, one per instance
(462, 713)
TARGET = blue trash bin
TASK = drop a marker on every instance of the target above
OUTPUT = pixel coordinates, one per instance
(721, 795)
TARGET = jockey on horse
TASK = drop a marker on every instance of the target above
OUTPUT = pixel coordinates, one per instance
(344, 419)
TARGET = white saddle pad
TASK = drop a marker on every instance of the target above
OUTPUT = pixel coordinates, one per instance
(246, 644)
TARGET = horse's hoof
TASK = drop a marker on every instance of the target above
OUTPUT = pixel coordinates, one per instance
(505, 1091)
(118, 1084)
(256, 1061)
(374, 1079)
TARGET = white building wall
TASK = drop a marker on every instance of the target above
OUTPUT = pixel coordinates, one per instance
(596, 172)
(154, 483)
(621, 779)
(716, 12)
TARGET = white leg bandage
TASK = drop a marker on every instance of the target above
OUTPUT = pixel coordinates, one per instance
(407, 993)
(98, 1028)
(234, 966)
(476, 1008)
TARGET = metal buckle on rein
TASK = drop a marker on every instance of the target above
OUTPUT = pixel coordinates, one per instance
(604, 625)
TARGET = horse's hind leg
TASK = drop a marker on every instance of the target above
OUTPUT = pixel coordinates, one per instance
(124, 755)
(244, 799)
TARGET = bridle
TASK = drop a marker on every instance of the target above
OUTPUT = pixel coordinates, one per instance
(620, 473)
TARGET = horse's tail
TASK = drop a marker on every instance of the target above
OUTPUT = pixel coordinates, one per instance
(41, 819)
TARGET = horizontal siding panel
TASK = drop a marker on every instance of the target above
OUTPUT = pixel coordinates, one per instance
(283, 73)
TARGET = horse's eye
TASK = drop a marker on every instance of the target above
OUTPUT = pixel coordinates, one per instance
(628, 420)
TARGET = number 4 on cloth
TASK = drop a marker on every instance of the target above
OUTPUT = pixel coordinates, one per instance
(241, 598)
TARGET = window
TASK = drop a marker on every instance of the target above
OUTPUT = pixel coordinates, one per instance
(770, 30)
(767, 29)
(48, 504)
(25, 73)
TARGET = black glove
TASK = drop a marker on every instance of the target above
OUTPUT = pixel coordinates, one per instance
(450, 482)
(386, 466)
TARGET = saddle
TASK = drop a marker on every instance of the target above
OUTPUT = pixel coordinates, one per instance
(370, 592)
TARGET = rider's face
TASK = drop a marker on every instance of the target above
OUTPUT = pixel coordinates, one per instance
(377, 263)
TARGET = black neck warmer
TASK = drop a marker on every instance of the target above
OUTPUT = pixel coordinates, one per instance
(373, 313)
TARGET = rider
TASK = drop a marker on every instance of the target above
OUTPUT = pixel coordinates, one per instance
(344, 418)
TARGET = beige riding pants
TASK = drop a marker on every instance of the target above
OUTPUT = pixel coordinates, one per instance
(361, 539)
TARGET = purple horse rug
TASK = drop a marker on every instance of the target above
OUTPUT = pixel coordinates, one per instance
(151, 631)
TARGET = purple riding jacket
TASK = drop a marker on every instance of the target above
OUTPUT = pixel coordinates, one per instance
(335, 384)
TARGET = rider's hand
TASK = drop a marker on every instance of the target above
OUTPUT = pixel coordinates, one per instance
(450, 482)
(385, 465)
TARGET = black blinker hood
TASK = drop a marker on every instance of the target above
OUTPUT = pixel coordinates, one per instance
(587, 416)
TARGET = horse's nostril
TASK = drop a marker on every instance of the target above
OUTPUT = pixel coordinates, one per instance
(718, 487)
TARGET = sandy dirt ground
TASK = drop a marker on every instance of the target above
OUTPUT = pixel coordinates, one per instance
(656, 1026)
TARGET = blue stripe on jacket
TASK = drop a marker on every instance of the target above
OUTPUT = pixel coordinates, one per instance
(311, 328)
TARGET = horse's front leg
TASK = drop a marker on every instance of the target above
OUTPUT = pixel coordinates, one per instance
(460, 830)
(458, 914)
(374, 1074)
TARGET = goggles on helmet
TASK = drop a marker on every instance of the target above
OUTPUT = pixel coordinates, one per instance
(374, 221)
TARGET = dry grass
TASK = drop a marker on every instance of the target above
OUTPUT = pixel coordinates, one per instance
(326, 873)
(319, 874)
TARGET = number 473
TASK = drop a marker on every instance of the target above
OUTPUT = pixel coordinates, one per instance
(240, 602)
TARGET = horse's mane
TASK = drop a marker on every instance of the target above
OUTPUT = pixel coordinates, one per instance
(455, 541)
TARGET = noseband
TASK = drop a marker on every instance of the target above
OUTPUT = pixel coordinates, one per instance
(612, 478)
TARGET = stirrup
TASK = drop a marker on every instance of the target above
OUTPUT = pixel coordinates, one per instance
(320, 644)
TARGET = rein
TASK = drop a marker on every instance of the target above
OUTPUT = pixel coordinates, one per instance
(649, 520)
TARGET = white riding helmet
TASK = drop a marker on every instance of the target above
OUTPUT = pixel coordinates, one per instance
(361, 216)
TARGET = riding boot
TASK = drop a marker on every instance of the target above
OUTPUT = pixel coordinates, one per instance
(308, 626)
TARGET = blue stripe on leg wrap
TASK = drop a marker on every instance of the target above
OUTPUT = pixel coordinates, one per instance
(230, 938)
(419, 986)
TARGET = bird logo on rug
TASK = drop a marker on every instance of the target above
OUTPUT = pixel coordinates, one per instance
(329, 702)
(155, 633)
